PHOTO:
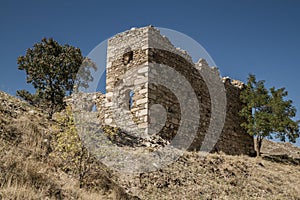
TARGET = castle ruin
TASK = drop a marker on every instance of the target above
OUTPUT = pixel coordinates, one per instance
(134, 59)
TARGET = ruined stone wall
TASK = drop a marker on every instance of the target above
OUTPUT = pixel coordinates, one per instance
(159, 94)
(127, 73)
(133, 59)
(234, 139)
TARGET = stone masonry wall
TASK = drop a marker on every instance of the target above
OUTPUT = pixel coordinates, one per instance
(234, 139)
(127, 73)
(162, 95)
(133, 58)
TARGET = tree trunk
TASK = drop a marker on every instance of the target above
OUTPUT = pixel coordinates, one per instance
(258, 146)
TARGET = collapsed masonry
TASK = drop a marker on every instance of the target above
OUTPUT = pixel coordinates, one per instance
(135, 59)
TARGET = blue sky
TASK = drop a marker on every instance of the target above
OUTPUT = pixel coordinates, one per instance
(261, 37)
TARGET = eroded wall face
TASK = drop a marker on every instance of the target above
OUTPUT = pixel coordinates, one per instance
(234, 139)
(127, 93)
(133, 66)
(158, 94)
(125, 105)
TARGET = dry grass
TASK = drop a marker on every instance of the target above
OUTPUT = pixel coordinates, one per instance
(22, 192)
(217, 176)
(27, 171)
(280, 148)
(23, 161)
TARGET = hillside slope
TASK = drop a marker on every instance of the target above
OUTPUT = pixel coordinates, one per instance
(217, 177)
(27, 171)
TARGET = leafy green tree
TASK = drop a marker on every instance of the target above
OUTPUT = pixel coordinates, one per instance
(283, 113)
(53, 70)
(267, 113)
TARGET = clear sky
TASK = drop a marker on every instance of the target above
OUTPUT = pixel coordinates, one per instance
(258, 36)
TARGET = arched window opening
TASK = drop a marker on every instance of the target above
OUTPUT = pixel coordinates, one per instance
(94, 108)
(131, 94)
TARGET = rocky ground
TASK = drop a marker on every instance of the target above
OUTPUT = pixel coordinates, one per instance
(28, 171)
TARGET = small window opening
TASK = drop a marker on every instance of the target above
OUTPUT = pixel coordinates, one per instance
(94, 108)
(91, 107)
(131, 94)
(127, 57)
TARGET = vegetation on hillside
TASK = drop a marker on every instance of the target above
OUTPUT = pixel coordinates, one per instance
(53, 70)
(76, 158)
(46, 159)
(267, 113)
(32, 165)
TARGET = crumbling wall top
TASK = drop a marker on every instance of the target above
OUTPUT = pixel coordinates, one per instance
(141, 38)
(236, 83)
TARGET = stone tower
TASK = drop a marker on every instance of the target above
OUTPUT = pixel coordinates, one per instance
(141, 104)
